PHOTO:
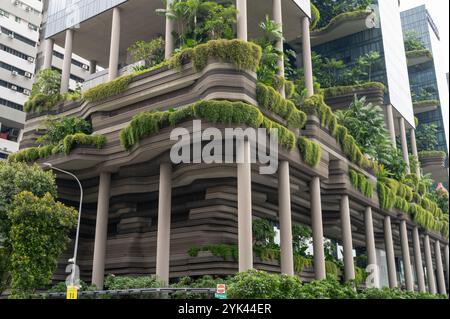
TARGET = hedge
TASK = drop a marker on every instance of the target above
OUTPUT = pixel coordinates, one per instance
(426, 103)
(269, 99)
(343, 17)
(243, 55)
(429, 154)
(310, 151)
(351, 89)
(223, 112)
(108, 89)
(33, 154)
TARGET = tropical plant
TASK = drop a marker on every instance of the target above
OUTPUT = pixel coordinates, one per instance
(413, 42)
(263, 232)
(45, 91)
(301, 239)
(331, 8)
(152, 52)
(426, 137)
(57, 129)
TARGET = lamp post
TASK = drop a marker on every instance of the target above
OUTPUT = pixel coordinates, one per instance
(73, 260)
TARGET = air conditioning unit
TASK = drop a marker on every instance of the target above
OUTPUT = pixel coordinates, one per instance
(27, 9)
(28, 75)
(27, 92)
(11, 35)
(85, 67)
(13, 87)
(15, 2)
(14, 73)
(30, 59)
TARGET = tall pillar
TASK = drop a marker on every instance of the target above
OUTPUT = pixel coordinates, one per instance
(67, 62)
(347, 242)
(406, 256)
(317, 229)
(164, 214)
(401, 122)
(390, 255)
(370, 243)
(92, 66)
(439, 268)
(390, 124)
(284, 206)
(169, 41)
(113, 70)
(48, 54)
(447, 264)
(101, 230)
(241, 6)
(307, 61)
(412, 134)
(278, 18)
(429, 263)
(418, 260)
(244, 188)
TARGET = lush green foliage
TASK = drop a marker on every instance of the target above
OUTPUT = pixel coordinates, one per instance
(152, 52)
(361, 183)
(108, 89)
(419, 53)
(315, 16)
(413, 42)
(38, 235)
(57, 129)
(426, 137)
(271, 100)
(121, 282)
(310, 151)
(83, 139)
(224, 112)
(329, 9)
(45, 92)
(352, 89)
(198, 21)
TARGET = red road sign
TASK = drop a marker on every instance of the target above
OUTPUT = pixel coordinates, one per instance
(221, 289)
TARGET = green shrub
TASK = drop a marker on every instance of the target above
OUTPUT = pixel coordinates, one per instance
(121, 282)
(82, 139)
(352, 89)
(106, 90)
(361, 183)
(419, 53)
(310, 151)
(243, 55)
(56, 129)
(386, 196)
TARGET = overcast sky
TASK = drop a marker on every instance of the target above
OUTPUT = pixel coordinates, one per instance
(439, 10)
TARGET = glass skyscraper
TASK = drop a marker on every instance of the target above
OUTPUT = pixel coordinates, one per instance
(429, 76)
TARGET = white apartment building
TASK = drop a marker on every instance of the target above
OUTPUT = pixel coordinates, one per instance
(20, 31)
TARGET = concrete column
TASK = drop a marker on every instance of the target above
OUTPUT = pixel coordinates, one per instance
(412, 134)
(101, 230)
(241, 6)
(390, 255)
(307, 62)
(347, 242)
(390, 124)
(284, 206)
(439, 268)
(113, 69)
(67, 62)
(429, 264)
(164, 214)
(370, 243)
(92, 66)
(317, 229)
(244, 188)
(169, 41)
(406, 256)
(48, 54)
(447, 264)
(418, 260)
(278, 18)
(401, 122)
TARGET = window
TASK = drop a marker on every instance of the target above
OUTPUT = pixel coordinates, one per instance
(18, 20)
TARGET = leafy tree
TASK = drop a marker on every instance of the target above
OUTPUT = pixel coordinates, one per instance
(440, 196)
(425, 94)
(330, 8)
(301, 239)
(332, 66)
(263, 232)
(47, 82)
(413, 42)
(426, 136)
(152, 52)
(57, 130)
(38, 235)
(219, 22)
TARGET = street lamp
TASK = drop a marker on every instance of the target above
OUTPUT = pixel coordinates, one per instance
(73, 260)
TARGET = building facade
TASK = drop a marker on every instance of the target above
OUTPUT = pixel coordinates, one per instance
(142, 213)
(428, 79)
(21, 23)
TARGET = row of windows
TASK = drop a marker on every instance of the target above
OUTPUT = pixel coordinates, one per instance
(18, 19)
(16, 53)
(26, 7)
(11, 104)
(73, 77)
(17, 36)
(13, 87)
(74, 62)
(11, 68)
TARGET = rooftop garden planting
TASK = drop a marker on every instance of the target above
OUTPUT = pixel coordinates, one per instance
(332, 11)
(61, 136)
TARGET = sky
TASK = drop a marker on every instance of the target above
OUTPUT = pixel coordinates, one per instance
(439, 10)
